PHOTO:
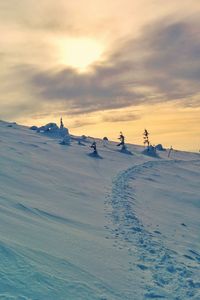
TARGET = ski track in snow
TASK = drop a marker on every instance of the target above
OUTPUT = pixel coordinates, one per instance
(168, 277)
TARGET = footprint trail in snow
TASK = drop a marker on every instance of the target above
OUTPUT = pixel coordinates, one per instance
(163, 273)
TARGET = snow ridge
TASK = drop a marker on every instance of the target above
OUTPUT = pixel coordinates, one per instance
(169, 277)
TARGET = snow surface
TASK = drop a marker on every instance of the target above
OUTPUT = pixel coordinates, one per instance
(76, 227)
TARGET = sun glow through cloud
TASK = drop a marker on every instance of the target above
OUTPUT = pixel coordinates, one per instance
(79, 53)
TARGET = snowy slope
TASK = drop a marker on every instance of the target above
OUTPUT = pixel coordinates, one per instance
(76, 227)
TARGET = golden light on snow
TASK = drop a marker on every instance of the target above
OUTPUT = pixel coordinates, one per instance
(79, 53)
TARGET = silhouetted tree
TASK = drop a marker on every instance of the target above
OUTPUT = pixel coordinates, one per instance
(146, 138)
(122, 141)
(61, 123)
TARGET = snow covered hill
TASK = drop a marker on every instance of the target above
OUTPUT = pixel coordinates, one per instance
(76, 227)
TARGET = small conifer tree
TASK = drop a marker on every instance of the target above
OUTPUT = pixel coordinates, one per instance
(61, 123)
(146, 138)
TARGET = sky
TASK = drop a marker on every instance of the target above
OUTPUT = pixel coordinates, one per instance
(104, 66)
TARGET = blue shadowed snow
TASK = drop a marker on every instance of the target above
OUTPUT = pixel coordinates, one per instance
(76, 227)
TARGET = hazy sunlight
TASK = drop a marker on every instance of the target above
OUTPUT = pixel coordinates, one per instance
(79, 53)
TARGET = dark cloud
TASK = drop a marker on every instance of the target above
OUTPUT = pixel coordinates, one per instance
(173, 64)
(163, 64)
(103, 89)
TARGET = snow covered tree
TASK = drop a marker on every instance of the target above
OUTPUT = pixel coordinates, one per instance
(94, 147)
(66, 140)
(105, 141)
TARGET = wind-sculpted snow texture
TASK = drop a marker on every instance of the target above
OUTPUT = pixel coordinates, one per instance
(166, 272)
(72, 229)
(53, 243)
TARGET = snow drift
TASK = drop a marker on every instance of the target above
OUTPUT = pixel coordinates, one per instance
(74, 227)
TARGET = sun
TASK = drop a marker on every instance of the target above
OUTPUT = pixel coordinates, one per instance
(79, 53)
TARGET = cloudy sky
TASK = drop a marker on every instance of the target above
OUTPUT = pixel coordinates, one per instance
(104, 66)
